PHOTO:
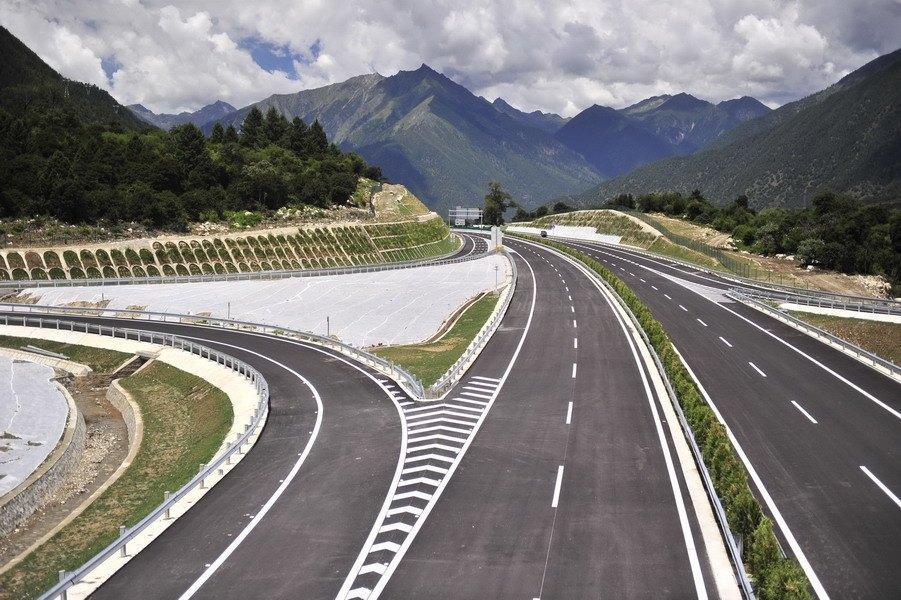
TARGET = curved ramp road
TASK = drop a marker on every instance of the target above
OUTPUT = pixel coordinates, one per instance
(320, 509)
(820, 430)
(568, 489)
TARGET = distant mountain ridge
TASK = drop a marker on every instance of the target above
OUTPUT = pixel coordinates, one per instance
(846, 137)
(547, 122)
(28, 84)
(436, 137)
(202, 116)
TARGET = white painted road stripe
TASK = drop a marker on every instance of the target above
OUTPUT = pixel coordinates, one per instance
(654, 287)
(574, 370)
(725, 341)
(491, 379)
(702, 322)
(569, 413)
(683, 308)
(667, 296)
(882, 486)
(557, 485)
(575, 342)
(756, 368)
(572, 308)
(804, 412)
(574, 323)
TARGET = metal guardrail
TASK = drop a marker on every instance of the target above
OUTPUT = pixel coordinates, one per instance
(251, 276)
(453, 374)
(864, 304)
(837, 301)
(863, 355)
(718, 509)
(407, 380)
(68, 579)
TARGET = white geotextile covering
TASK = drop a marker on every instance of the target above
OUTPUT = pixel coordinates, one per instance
(33, 415)
(575, 232)
(364, 309)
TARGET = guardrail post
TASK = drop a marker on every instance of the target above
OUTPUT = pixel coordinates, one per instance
(202, 479)
(123, 552)
(166, 496)
(63, 595)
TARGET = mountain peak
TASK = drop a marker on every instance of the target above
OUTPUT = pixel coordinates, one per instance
(683, 102)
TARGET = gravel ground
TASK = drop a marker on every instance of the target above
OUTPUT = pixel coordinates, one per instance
(365, 309)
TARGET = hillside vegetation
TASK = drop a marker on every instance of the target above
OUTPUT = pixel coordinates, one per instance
(309, 247)
(69, 151)
(846, 138)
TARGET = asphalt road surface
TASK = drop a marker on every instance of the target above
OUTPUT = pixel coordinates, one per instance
(821, 431)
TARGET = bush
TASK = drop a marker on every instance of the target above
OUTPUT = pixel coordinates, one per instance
(51, 259)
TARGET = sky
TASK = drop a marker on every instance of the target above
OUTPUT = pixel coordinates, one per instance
(553, 55)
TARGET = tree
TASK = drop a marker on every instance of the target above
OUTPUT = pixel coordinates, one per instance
(275, 125)
(231, 136)
(218, 134)
(317, 141)
(496, 202)
(561, 207)
(297, 135)
(252, 133)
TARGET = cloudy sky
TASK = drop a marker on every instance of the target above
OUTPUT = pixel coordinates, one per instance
(553, 55)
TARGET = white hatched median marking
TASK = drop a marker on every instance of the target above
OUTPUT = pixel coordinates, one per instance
(882, 486)
(804, 412)
(491, 379)
(756, 368)
(725, 341)
(557, 486)
(379, 568)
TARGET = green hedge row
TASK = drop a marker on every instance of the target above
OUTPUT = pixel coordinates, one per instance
(774, 576)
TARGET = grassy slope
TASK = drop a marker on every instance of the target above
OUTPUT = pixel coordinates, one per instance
(882, 339)
(101, 361)
(431, 360)
(185, 421)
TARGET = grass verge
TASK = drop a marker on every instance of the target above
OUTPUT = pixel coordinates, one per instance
(98, 359)
(431, 360)
(882, 339)
(774, 577)
(185, 421)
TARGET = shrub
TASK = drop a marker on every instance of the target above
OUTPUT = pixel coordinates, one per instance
(133, 257)
(76, 273)
(168, 270)
(117, 257)
(124, 272)
(244, 267)
(57, 273)
(87, 259)
(194, 269)
(2, 263)
(206, 269)
(152, 271)
(181, 270)
(20, 274)
(147, 257)
(103, 258)
(221, 269)
(51, 259)
(94, 273)
(138, 271)
(38, 273)
(109, 272)
(15, 261)
(71, 259)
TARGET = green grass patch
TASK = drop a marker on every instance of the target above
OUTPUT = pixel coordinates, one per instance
(431, 360)
(882, 339)
(100, 360)
(775, 577)
(185, 421)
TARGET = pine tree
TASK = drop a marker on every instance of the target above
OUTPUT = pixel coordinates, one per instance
(252, 133)
(218, 134)
(316, 139)
(231, 136)
(297, 134)
(275, 126)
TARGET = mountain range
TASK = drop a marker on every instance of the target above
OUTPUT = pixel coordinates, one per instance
(846, 138)
(446, 144)
(167, 121)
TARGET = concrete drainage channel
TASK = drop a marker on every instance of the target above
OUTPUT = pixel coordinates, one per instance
(247, 389)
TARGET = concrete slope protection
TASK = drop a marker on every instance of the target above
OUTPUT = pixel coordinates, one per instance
(565, 490)
(820, 431)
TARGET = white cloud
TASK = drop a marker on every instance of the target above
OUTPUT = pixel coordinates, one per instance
(536, 54)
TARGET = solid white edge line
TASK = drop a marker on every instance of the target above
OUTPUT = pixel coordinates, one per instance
(386, 577)
(756, 368)
(805, 413)
(556, 500)
(882, 486)
(214, 566)
(569, 413)
(688, 536)
(758, 483)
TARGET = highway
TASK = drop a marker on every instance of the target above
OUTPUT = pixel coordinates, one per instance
(565, 491)
(820, 430)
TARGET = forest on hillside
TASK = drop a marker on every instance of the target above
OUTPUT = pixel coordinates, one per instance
(54, 162)
(834, 232)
